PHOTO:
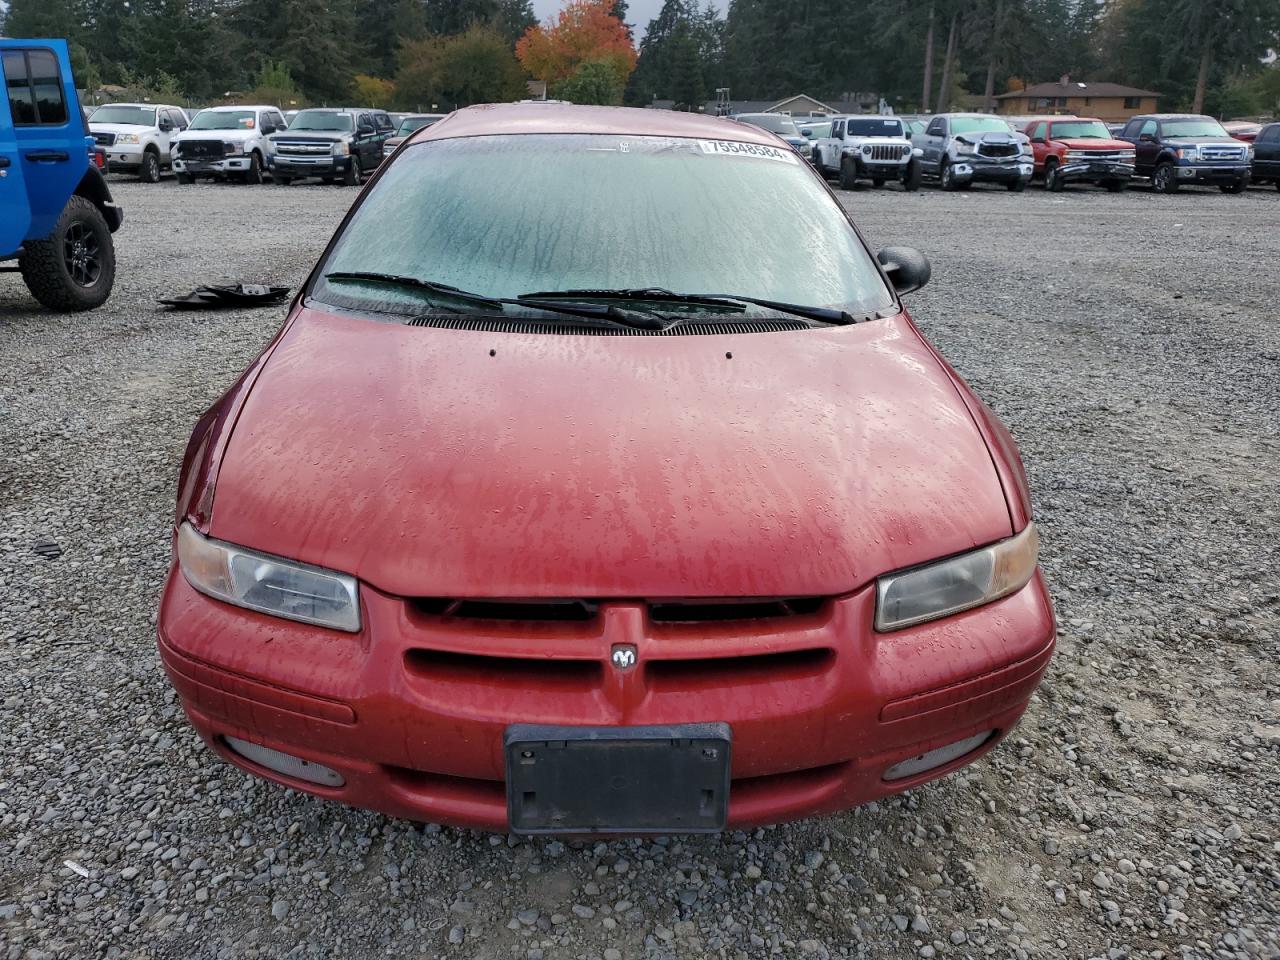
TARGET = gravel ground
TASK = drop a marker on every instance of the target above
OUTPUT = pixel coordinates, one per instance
(1131, 344)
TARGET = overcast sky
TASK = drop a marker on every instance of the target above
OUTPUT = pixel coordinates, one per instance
(639, 12)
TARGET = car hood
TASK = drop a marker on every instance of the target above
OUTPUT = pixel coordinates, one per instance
(992, 136)
(120, 128)
(431, 462)
(1092, 143)
(393, 142)
(310, 136)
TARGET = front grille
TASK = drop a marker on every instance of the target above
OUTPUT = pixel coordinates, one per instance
(999, 149)
(104, 139)
(304, 149)
(683, 329)
(884, 152)
(1106, 155)
(201, 149)
(582, 611)
(1222, 152)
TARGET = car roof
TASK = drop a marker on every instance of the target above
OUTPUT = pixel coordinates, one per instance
(966, 113)
(238, 106)
(1171, 116)
(144, 106)
(520, 118)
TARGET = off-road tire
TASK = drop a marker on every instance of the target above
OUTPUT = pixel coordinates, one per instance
(149, 171)
(911, 183)
(1053, 178)
(1163, 178)
(186, 179)
(352, 177)
(253, 175)
(74, 267)
(848, 174)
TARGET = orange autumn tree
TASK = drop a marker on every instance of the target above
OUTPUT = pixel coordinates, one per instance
(584, 32)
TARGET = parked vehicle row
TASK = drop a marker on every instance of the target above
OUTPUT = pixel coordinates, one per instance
(868, 147)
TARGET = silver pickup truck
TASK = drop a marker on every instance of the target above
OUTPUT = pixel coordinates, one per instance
(960, 149)
(867, 147)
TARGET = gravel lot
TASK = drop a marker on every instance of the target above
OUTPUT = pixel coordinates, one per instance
(1131, 344)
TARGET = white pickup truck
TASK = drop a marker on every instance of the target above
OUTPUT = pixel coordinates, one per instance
(868, 147)
(227, 141)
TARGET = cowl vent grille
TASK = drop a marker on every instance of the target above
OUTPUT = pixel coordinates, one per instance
(679, 329)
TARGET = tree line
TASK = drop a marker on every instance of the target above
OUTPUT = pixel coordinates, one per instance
(921, 55)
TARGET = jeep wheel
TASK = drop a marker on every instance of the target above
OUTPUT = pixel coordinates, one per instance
(74, 267)
(1053, 178)
(911, 182)
(352, 177)
(848, 174)
(1116, 186)
(947, 177)
(254, 174)
(1165, 178)
(186, 178)
(149, 172)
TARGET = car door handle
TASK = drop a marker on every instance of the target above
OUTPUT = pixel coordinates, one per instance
(48, 156)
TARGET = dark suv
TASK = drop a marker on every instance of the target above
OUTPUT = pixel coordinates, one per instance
(1185, 148)
(330, 144)
(1266, 155)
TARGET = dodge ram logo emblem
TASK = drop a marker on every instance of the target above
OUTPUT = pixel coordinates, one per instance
(623, 656)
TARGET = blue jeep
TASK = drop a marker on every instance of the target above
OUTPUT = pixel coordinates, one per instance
(56, 214)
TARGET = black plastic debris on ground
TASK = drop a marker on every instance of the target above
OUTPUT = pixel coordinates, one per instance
(47, 549)
(229, 298)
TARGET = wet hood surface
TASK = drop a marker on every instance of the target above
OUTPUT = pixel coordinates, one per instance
(581, 466)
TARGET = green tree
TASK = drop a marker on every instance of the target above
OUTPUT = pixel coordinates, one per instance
(593, 82)
(448, 72)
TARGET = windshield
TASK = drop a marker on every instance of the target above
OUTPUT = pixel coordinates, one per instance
(133, 116)
(873, 127)
(323, 120)
(410, 124)
(1080, 130)
(978, 125)
(1194, 127)
(506, 215)
(777, 123)
(223, 120)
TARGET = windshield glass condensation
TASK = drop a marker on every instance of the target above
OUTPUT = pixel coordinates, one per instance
(978, 125)
(508, 215)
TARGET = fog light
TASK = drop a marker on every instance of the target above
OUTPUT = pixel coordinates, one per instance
(284, 763)
(936, 758)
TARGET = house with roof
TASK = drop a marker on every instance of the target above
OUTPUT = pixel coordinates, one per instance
(1112, 102)
(797, 105)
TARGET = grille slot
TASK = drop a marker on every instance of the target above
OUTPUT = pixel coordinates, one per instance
(445, 666)
(1221, 152)
(104, 139)
(201, 149)
(558, 611)
(757, 668)
(885, 151)
(728, 610)
(682, 329)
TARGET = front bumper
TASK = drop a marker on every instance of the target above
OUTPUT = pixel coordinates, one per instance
(1213, 173)
(1095, 171)
(238, 163)
(874, 170)
(976, 170)
(127, 156)
(316, 166)
(412, 711)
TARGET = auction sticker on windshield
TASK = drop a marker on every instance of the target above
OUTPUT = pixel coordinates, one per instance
(735, 149)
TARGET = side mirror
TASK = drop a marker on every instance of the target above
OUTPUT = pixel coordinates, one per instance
(907, 268)
(1039, 140)
(364, 129)
(1148, 138)
(267, 129)
(166, 126)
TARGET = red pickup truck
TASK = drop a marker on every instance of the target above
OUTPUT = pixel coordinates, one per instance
(1078, 150)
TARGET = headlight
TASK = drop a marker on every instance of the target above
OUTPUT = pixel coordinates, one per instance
(1076, 155)
(127, 138)
(1188, 153)
(229, 147)
(949, 586)
(963, 149)
(282, 588)
(341, 149)
(906, 150)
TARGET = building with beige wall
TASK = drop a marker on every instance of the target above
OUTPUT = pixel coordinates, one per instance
(1112, 102)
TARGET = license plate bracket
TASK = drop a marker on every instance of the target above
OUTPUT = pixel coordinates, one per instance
(624, 780)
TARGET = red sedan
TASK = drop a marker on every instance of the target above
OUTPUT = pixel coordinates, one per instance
(598, 481)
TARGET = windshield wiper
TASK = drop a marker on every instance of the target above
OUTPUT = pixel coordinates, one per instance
(660, 295)
(605, 312)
